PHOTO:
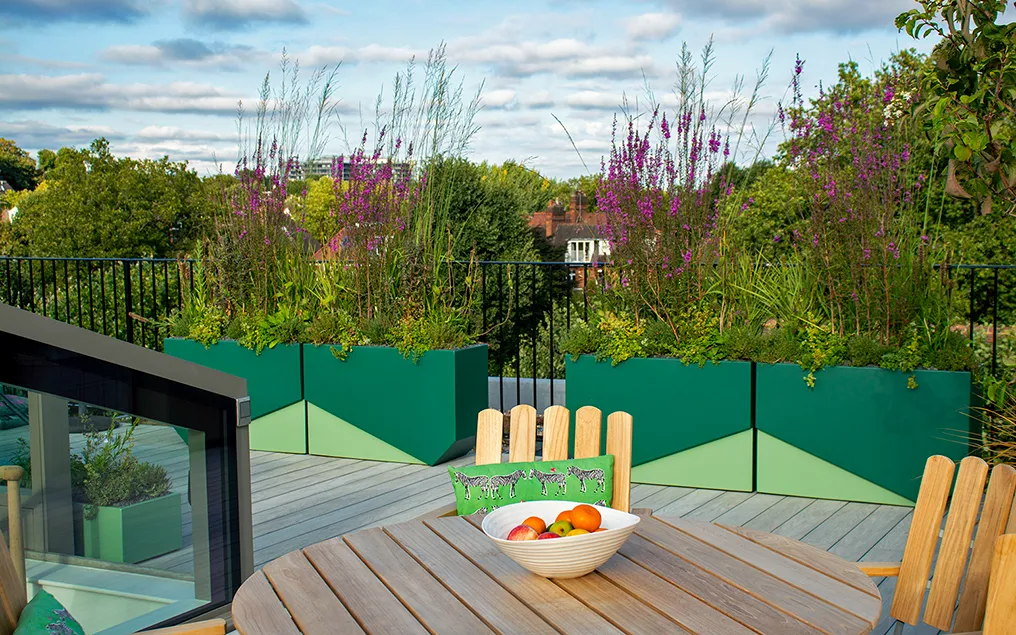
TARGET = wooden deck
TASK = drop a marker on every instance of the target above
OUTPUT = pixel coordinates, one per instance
(299, 500)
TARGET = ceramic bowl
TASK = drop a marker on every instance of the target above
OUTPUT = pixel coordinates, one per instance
(569, 557)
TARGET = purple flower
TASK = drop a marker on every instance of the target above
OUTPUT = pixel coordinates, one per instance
(776, 238)
(687, 256)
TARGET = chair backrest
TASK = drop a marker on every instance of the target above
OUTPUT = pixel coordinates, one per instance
(955, 551)
(1001, 610)
(13, 594)
(556, 426)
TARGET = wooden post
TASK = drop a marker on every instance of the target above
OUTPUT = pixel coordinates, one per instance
(52, 526)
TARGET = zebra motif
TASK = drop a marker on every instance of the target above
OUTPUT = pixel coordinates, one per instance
(482, 481)
(588, 475)
(497, 482)
(550, 477)
(600, 503)
(479, 512)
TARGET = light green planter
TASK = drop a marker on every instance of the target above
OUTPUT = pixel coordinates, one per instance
(134, 533)
(860, 434)
(274, 383)
(378, 405)
(691, 424)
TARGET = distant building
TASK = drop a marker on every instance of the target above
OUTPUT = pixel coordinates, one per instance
(322, 166)
(575, 229)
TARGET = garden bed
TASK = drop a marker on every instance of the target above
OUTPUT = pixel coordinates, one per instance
(859, 434)
(692, 424)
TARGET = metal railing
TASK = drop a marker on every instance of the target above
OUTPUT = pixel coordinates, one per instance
(525, 307)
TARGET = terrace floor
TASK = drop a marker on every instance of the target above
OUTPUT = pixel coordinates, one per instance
(300, 500)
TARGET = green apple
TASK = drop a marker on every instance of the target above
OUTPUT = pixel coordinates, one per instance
(560, 528)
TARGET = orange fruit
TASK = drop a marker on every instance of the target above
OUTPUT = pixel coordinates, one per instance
(600, 529)
(585, 517)
(565, 516)
(536, 523)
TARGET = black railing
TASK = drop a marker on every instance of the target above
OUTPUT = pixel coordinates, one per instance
(525, 307)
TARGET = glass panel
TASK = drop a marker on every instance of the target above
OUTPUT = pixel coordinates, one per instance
(107, 512)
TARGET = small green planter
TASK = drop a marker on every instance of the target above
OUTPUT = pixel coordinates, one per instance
(860, 434)
(378, 405)
(274, 382)
(134, 533)
(692, 425)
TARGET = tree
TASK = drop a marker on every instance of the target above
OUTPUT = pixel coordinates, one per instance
(93, 204)
(971, 94)
(16, 166)
(47, 161)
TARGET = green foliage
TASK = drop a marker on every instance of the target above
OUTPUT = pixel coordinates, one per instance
(94, 205)
(971, 94)
(16, 166)
(107, 474)
(821, 346)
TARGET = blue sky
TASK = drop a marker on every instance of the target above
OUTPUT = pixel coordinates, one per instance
(163, 77)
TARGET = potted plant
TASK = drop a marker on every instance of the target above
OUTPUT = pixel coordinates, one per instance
(126, 509)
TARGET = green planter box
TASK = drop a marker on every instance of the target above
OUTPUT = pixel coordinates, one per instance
(860, 434)
(134, 533)
(378, 405)
(274, 382)
(692, 425)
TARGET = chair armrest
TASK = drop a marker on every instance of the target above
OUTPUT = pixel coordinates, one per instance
(208, 627)
(970, 633)
(440, 512)
(880, 569)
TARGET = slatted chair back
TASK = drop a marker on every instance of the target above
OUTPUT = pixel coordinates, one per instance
(556, 425)
(1001, 609)
(955, 554)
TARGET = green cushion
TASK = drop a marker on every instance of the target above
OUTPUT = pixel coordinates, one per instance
(44, 615)
(478, 488)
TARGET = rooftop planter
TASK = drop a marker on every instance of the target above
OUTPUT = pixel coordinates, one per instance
(692, 424)
(859, 434)
(376, 404)
(133, 533)
(274, 382)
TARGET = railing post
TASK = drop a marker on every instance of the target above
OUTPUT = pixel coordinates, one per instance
(128, 301)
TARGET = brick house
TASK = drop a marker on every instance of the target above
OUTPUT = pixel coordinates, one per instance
(574, 228)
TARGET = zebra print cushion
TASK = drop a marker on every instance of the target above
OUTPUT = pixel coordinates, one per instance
(484, 488)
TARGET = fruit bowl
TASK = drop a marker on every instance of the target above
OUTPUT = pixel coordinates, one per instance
(568, 557)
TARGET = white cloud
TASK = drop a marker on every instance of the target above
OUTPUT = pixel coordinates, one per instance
(565, 57)
(503, 98)
(799, 16)
(184, 52)
(163, 133)
(37, 134)
(594, 100)
(653, 26)
(90, 91)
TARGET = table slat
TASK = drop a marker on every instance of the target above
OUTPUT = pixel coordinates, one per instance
(827, 563)
(763, 586)
(722, 596)
(257, 610)
(554, 604)
(312, 604)
(687, 610)
(366, 597)
(615, 604)
(424, 596)
(811, 581)
(501, 610)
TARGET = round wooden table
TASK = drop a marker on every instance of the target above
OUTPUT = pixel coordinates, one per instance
(446, 576)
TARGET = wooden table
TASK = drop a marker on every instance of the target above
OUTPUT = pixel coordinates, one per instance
(446, 576)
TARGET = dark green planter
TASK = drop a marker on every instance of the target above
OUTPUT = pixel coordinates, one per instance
(134, 533)
(692, 425)
(274, 382)
(860, 434)
(378, 405)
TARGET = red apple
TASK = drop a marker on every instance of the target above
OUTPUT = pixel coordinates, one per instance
(523, 532)
(547, 535)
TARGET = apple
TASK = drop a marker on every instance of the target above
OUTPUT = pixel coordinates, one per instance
(523, 532)
(547, 535)
(561, 528)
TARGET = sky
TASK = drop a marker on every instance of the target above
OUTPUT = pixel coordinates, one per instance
(164, 77)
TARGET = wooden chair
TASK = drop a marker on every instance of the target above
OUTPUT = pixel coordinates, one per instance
(955, 552)
(556, 425)
(1000, 614)
(13, 584)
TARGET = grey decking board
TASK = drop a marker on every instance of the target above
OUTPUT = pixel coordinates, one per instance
(869, 532)
(688, 503)
(778, 514)
(718, 506)
(748, 510)
(804, 521)
(842, 522)
(664, 496)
